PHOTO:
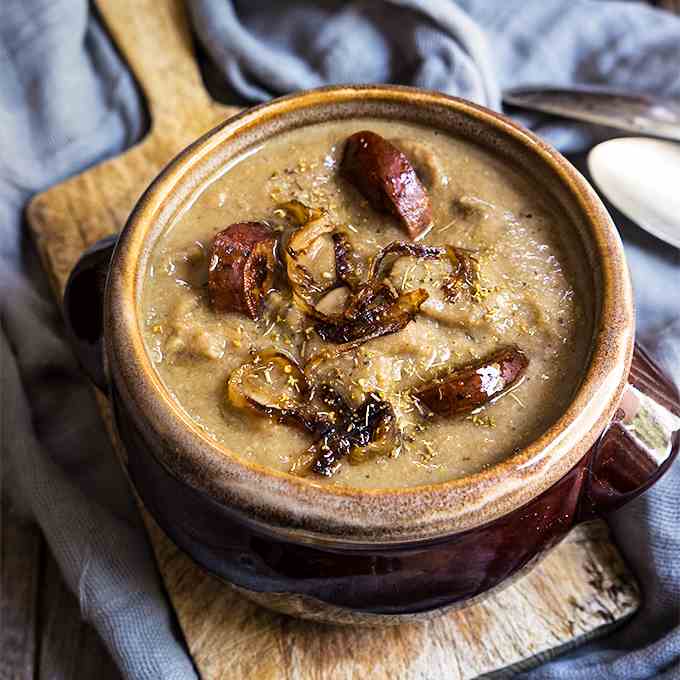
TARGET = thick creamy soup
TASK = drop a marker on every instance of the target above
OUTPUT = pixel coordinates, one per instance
(370, 304)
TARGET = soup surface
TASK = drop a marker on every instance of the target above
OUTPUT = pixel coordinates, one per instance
(508, 282)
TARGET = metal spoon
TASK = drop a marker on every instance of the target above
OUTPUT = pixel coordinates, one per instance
(638, 113)
(641, 177)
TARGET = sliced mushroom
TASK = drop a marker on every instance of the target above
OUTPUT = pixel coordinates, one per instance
(374, 321)
(273, 385)
(299, 212)
(464, 273)
(370, 306)
(469, 388)
(357, 435)
(451, 278)
(241, 268)
(332, 304)
(310, 254)
(386, 178)
(376, 283)
(349, 267)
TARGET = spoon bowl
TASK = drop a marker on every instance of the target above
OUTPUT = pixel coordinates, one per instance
(641, 178)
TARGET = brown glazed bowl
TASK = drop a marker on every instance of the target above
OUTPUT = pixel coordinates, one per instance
(389, 555)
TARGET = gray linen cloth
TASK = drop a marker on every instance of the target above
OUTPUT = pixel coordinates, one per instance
(67, 101)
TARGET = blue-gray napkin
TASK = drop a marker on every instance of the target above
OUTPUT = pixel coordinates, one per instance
(66, 102)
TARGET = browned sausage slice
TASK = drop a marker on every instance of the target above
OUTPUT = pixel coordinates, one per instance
(424, 161)
(241, 267)
(475, 385)
(386, 178)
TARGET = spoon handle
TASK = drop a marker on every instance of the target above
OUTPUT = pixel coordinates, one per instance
(638, 113)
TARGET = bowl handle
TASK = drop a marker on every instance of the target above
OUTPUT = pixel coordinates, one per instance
(84, 308)
(639, 444)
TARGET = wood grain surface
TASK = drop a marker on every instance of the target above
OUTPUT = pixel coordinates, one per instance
(70, 649)
(21, 544)
(42, 635)
(580, 590)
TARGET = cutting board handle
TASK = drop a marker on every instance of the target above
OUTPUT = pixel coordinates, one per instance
(154, 37)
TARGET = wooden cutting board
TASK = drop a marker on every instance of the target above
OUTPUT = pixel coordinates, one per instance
(580, 590)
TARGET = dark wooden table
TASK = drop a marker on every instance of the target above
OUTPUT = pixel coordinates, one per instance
(42, 635)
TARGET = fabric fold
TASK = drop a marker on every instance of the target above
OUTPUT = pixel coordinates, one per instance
(67, 102)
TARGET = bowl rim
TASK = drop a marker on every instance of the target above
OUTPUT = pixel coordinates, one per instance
(300, 508)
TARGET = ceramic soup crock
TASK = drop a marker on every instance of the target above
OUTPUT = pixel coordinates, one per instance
(388, 555)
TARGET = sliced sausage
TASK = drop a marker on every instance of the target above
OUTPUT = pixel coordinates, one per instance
(470, 387)
(386, 178)
(241, 266)
(424, 160)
